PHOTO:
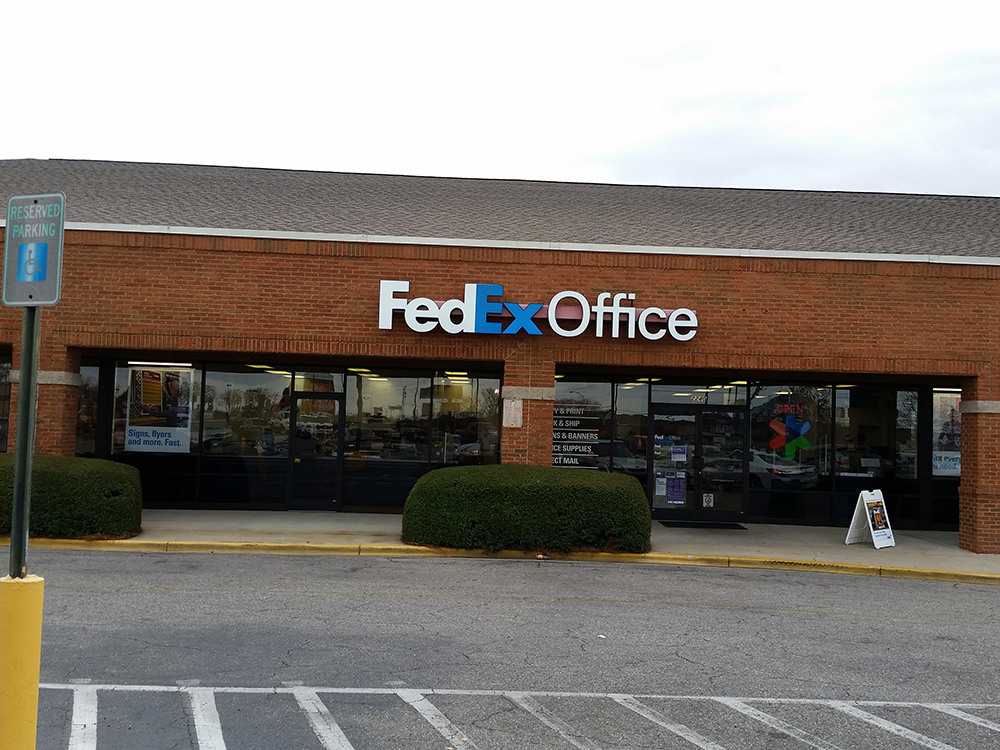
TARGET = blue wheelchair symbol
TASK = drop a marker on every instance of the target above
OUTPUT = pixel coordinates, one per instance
(32, 261)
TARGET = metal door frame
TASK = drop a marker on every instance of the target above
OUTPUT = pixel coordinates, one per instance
(341, 399)
(698, 513)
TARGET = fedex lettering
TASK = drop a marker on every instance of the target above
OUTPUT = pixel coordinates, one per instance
(423, 314)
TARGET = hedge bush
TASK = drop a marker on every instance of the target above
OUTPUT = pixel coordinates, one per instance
(529, 508)
(76, 497)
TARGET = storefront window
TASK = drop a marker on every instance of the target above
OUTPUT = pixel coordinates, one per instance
(465, 425)
(86, 420)
(790, 437)
(244, 441)
(161, 397)
(628, 451)
(947, 450)
(155, 428)
(876, 432)
(582, 425)
(387, 436)
(246, 408)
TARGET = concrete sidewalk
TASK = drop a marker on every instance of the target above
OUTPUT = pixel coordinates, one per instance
(917, 554)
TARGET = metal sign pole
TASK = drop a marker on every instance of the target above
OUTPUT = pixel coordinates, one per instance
(25, 442)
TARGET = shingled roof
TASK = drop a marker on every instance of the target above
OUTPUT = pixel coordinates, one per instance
(231, 199)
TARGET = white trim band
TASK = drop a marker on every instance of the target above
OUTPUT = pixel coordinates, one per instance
(529, 393)
(51, 377)
(724, 252)
(979, 407)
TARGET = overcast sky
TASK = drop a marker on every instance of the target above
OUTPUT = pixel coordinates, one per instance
(883, 96)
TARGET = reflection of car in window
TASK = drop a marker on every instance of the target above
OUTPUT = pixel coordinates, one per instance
(772, 472)
(614, 456)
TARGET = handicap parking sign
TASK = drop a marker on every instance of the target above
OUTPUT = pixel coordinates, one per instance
(32, 261)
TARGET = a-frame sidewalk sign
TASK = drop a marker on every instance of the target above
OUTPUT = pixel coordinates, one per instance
(871, 521)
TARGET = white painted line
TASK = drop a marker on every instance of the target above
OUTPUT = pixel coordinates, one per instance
(977, 720)
(775, 723)
(83, 730)
(566, 731)
(657, 718)
(890, 726)
(455, 736)
(323, 723)
(206, 718)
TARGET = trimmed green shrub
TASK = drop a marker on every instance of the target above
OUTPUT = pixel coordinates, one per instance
(529, 508)
(76, 497)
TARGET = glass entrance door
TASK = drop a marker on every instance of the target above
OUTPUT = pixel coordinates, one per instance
(696, 463)
(315, 447)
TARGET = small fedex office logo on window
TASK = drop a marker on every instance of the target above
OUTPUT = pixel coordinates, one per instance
(567, 313)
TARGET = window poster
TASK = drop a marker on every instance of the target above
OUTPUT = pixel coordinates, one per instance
(575, 434)
(159, 410)
(947, 452)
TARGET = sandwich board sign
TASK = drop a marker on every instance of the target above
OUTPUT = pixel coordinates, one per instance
(870, 521)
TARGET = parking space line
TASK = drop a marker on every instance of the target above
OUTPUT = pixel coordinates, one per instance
(775, 723)
(971, 718)
(83, 729)
(566, 731)
(207, 726)
(657, 718)
(322, 721)
(889, 726)
(436, 719)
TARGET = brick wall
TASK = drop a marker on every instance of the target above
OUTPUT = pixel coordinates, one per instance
(188, 296)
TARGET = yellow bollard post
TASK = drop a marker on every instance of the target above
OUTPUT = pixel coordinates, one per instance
(20, 659)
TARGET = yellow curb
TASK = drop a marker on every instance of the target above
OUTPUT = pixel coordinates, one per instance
(407, 550)
(264, 548)
(120, 545)
(675, 558)
(856, 569)
(952, 576)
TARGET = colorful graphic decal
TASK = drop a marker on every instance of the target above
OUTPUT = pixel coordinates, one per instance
(790, 434)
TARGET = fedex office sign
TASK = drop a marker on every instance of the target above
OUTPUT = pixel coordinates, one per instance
(568, 314)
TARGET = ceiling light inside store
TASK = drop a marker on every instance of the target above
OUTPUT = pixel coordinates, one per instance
(359, 369)
(738, 382)
(162, 364)
(277, 372)
(937, 390)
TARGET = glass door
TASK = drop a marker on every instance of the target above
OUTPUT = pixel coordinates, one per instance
(315, 448)
(696, 463)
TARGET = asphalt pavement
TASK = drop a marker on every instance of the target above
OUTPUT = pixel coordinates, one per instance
(933, 555)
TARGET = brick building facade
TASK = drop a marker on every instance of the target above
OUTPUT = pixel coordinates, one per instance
(843, 341)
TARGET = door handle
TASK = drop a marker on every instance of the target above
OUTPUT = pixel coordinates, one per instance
(699, 463)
